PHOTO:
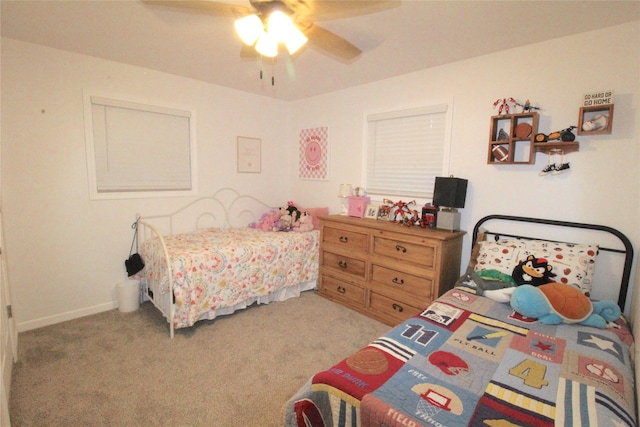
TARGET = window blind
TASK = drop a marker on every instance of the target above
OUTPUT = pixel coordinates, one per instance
(406, 151)
(140, 147)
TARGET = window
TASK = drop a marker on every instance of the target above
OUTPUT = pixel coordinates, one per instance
(406, 150)
(136, 150)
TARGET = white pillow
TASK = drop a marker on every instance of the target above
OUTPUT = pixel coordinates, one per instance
(572, 264)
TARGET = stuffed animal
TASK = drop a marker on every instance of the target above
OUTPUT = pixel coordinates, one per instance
(305, 223)
(532, 271)
(269, 221)
(500, 286)
(288, 216)
(556, 303)
(492, 284)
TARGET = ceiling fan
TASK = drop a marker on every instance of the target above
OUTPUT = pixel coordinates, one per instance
(264, 25)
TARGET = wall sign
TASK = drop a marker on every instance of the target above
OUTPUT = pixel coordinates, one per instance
(592, 99)
(314, 153)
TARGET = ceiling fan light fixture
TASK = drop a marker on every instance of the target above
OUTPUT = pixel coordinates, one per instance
(295, 41)
(267, 45)
(249, 28)
(284, 31)
(279, 25)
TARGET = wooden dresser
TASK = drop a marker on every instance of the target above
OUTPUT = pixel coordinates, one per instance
(385, 270)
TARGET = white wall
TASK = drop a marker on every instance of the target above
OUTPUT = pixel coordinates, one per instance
(66, 252)
(603, 184)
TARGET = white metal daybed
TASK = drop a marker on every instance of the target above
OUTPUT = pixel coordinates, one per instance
(204, 260)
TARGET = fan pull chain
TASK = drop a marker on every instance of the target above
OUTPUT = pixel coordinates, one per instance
(273, 78)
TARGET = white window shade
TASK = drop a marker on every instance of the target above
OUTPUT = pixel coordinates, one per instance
(406, 150)
(137, 148)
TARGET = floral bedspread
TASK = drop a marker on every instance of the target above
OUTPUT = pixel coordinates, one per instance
(218, 268)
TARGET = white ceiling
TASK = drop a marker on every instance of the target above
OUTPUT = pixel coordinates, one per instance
(416, 35)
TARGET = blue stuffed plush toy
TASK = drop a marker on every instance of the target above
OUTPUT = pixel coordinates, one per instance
(556, 303)
(530, 271)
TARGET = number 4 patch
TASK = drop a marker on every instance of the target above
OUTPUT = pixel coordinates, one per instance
(531, 372)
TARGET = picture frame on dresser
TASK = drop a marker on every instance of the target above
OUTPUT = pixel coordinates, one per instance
(372, 211)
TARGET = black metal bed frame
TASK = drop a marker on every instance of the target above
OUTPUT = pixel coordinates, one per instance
(627, 251)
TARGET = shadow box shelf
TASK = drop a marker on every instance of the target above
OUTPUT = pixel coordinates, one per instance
(599, 117)
(511, 139)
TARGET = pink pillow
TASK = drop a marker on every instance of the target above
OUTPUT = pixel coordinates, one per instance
(315, 213)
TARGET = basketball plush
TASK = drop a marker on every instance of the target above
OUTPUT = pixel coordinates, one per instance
(368, 361)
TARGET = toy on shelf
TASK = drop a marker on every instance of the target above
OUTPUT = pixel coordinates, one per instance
(504, 104)
(599, 122)
(565, 135)
(526, 107)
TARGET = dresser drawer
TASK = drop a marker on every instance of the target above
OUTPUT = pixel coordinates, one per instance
(401, 281)
(424, 255)
(347, 239)
(391, 311)
(342, 291)
(344, 264)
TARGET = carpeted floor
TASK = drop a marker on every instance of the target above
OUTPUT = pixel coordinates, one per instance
(122, 369)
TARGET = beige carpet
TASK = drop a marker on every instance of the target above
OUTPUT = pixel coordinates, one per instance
(122, 369)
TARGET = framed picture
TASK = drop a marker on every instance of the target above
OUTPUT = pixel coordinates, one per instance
(314, 153)
(384, 212)
(249, 155)
(372, 211)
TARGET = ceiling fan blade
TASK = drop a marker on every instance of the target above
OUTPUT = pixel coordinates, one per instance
(319, 10)
(210, 7)
(248, 52)
(330, 43)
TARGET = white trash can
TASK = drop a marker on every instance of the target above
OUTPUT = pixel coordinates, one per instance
(128, 295)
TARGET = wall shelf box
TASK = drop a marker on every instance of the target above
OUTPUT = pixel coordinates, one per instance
(589, 113)
(511, 139)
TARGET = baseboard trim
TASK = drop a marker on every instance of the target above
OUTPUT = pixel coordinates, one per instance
(63, 317)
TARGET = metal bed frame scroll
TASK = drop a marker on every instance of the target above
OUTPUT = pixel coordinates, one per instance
(627, 252)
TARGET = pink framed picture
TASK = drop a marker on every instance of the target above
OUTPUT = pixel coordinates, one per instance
(314, 153)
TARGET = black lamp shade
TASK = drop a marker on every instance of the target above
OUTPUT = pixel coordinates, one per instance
(450, 192)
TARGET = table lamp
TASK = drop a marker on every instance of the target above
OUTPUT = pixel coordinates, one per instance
(344, 192)
(449, 194)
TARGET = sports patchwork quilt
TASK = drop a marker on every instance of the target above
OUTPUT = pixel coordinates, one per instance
(468, 360)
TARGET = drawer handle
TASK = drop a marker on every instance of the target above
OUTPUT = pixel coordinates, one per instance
(342, 264)
(344, 239)
(397, 307)
(401, 249)
(342, 290)
(398, 281)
